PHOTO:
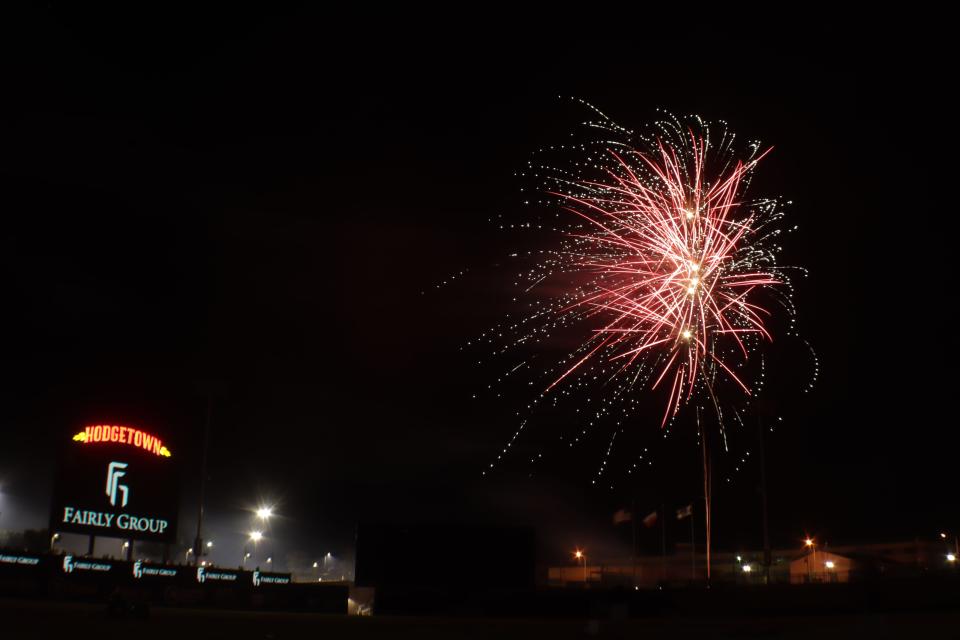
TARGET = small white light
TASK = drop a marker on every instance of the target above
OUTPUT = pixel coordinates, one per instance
(747, 568)
(951, 557)
(828, 564)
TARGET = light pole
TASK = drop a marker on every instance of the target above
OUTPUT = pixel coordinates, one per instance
(246, 555)
(811, 544)
(255, 537)
(264, 513)
(580, 555)
(956, 543)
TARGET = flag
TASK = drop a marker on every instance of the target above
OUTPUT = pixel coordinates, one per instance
(650, 520)
(685, 512)
(622, 516)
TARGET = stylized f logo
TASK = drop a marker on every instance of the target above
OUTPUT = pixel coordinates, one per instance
(114, 473)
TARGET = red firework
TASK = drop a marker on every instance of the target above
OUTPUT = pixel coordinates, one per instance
(675, 260)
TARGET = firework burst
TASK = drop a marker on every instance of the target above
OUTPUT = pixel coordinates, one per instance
(668, 272)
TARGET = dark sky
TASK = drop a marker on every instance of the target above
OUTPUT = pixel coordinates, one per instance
(248, 207)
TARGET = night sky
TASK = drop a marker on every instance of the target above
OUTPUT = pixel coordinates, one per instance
(256, 209)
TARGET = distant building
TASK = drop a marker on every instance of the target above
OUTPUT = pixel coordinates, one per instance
(829, 564)
(821, 566)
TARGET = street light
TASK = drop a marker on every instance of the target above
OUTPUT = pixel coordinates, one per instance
(264, 513)
(186, 556)
(256, 536)
(269, 560)
(246, 556)
(209, 544)
(747, 568)
(829, 564)
(951, 557)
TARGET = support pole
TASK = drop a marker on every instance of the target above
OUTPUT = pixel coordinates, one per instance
(198, 540)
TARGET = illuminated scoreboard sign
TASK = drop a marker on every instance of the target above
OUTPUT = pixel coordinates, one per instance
(118, 481)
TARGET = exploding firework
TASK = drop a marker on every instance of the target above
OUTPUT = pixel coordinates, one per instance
(665, 272)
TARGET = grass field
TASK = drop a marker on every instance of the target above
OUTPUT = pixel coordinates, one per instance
(31, 619)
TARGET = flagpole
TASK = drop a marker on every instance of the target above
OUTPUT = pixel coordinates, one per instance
(763, 497)
(663, 543)
(633, 549)
(693, 548)
(706, 494)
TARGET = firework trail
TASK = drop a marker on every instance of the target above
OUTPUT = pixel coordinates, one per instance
(670, 271)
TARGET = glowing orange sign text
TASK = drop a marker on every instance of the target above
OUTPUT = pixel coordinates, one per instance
(123, 435)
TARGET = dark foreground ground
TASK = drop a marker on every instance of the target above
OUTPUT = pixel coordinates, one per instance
(31, 619)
